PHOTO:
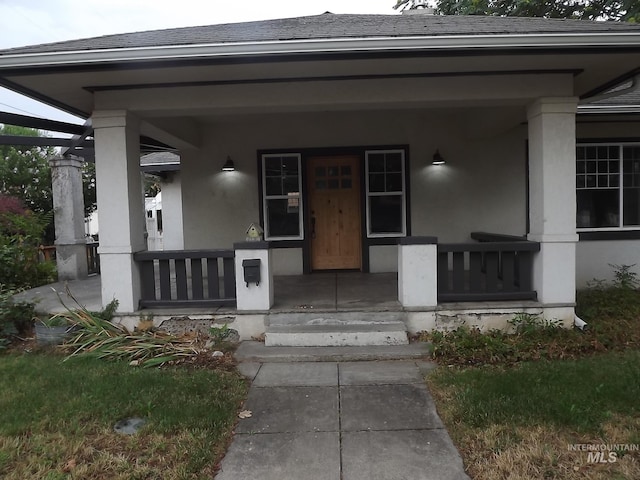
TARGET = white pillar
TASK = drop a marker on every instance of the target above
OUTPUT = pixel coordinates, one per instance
(418, 272)
(68, 210)
(173, 230)
(120, 205)
(552, 198)
(254, 297)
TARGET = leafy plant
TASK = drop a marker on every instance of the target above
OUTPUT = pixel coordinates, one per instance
(95, 336)
(16, 318)
(55, 321)
(625, 277)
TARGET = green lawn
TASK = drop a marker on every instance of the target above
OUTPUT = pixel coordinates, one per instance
(57, 418)
(517, 422)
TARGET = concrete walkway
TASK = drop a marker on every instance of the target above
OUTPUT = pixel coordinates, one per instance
(340, 421)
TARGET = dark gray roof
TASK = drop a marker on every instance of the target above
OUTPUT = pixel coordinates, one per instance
(330, 25)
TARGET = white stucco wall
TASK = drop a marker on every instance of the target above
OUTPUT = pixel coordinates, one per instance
(595, 257)
(482, 186)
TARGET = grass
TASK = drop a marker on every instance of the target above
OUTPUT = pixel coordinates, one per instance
(58, 418)
(514, 403)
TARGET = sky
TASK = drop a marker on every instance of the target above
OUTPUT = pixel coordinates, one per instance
(30, 22)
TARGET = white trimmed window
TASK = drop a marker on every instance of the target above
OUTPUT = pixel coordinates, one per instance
(608, 186)
(281, 199)
(386, 193)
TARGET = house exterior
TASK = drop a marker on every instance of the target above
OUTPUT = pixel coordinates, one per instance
(333, 123)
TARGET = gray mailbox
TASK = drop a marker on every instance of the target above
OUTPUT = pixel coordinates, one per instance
(251, 269)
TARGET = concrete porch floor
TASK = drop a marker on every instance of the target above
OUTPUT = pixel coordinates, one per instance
(341, 291)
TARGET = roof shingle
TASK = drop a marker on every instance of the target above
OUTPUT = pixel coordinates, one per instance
(333, 26)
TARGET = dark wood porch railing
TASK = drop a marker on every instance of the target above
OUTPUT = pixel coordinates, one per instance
(93, 259)
(487, 271)
(187, 278)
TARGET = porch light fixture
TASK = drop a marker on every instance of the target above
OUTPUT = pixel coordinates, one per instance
(228, 165)
(437, 159)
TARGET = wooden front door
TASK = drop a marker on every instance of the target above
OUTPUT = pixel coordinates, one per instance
(334, 212)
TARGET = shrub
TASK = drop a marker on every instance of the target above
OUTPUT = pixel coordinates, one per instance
(20, 237)
(16, 318)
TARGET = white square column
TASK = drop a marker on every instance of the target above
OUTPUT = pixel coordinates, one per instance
(249, 296)
(418, 272)
(552, 198)
(120, 206)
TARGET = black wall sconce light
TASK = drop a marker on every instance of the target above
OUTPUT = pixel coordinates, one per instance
(438, 159)
(228, 165)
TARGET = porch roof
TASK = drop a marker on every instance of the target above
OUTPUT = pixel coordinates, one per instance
(330, 25)
(597, 55)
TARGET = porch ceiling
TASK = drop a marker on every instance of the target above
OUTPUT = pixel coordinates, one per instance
(77, 88)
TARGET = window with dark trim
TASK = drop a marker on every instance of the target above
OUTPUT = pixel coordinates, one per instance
(608, 186)
(385, 193)
(281, 199)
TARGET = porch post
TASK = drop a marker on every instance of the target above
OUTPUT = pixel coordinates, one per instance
(251, 296)
(68, 210)
(173, 232)
(418, 271)
(552, 199)
(120, 205)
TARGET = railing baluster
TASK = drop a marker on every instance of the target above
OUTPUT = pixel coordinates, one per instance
(165, 280)
(212, 276)
(475, 272)
(181, 279)
(443, 272)
(196, 279)
(228, 265)
(508, 274)
(491, 276)
(524, 271)
(148, 278)
(458, 271)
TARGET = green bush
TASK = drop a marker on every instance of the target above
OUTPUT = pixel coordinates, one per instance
(16, 318)
(20, 237)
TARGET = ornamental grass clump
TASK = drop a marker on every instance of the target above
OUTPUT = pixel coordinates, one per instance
(98, 337)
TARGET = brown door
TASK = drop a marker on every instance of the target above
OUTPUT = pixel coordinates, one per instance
(334, 212)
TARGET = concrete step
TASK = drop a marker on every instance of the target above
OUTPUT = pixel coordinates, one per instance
(334, 318)
(336, 335)
(251, 351)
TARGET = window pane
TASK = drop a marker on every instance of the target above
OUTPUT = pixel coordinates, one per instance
(272, 166)
(290, 184)
(333, 183)
(394, 162)
(376, 182)
(274, 186)
(598, 208)
(394, 182)
(376, 162)
(631, 201)
(282, 221)
(333, 171)
(385, 214)
(290, 165)
(581, 167)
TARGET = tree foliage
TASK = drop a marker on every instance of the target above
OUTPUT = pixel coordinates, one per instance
(621, 10)
(25, 174)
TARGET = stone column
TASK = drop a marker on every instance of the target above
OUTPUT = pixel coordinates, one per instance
(418, 272)
(252, 296)
(68, 211)
(552, 199)
(120, 206)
